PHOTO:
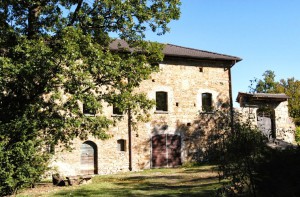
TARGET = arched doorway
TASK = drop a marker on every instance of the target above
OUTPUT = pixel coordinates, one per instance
(266, 122)
(88, 158)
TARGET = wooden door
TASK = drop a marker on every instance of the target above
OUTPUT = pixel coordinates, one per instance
(89, 158)
(166, 150)
(174, 150)
(266, 123)
(159, 151)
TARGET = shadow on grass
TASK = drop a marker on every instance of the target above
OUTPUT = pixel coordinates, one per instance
(177, 184)
(196, 170)
(159, 190)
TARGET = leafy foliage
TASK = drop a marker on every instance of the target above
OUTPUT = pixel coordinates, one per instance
(277, 173)
(239, 152)
(265, 85)
(55, 57)
(252, 168)
(291, 87)
(21, 162)
(297, 134)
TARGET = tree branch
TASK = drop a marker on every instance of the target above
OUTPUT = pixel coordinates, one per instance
(75, 14)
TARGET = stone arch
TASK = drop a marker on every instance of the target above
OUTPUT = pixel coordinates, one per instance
(266, 122)
(89, 158)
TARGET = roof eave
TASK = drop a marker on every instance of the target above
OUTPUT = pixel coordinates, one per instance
(204, 58)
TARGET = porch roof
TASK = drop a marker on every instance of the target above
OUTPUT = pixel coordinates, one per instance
(249, 98)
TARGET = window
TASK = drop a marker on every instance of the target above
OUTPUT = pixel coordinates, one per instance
(207, 102)
(161, 101)
(117, 111)
(87, 109)
(51, 148)
(121, 145)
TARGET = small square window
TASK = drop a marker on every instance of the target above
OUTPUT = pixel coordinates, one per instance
(161, 101)
(51, 148)
(121, 145)
(207, 102)
(88, 109)
(117, 111)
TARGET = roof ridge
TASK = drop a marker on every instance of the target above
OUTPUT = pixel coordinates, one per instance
(202, 50)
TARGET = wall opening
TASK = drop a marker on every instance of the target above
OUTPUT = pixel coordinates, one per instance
(161, 101)
(121, 145)
(89, 158)
(207, 102)
(266, 122)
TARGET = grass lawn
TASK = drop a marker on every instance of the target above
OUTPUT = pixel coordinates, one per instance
(195, 181)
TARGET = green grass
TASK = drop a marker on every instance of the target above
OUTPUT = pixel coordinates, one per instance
(194, 181)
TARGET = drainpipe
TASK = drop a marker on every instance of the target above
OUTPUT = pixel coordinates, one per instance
(129, 139)
(230, 97)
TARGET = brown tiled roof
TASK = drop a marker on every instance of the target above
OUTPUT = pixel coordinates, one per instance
(179, 51)
(267, 95)
(119, 45)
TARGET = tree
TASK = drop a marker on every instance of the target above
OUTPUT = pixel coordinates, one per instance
(54, 57)
(265, 85)
(291, 87)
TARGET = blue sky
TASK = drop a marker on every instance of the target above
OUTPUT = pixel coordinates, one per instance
(264, 33)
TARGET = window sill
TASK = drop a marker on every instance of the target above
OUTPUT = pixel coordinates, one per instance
(90, 115)
(117, 115)
(161, 112)
(207, 112)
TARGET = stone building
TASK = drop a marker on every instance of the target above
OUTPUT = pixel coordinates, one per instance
(269, 112)
(190, 88)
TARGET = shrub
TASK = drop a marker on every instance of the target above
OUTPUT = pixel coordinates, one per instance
(278, 173)
(239, 152)
(21, 165)
(254, 169)
(22, 157)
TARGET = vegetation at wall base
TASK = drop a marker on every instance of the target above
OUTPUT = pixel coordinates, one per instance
(278, 173)
(239, 152)
(254, 169)
(297, 135)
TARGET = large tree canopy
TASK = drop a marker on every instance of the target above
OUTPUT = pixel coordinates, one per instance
(55, 59)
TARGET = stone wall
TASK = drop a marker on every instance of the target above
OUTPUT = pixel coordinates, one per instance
(184, 81)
